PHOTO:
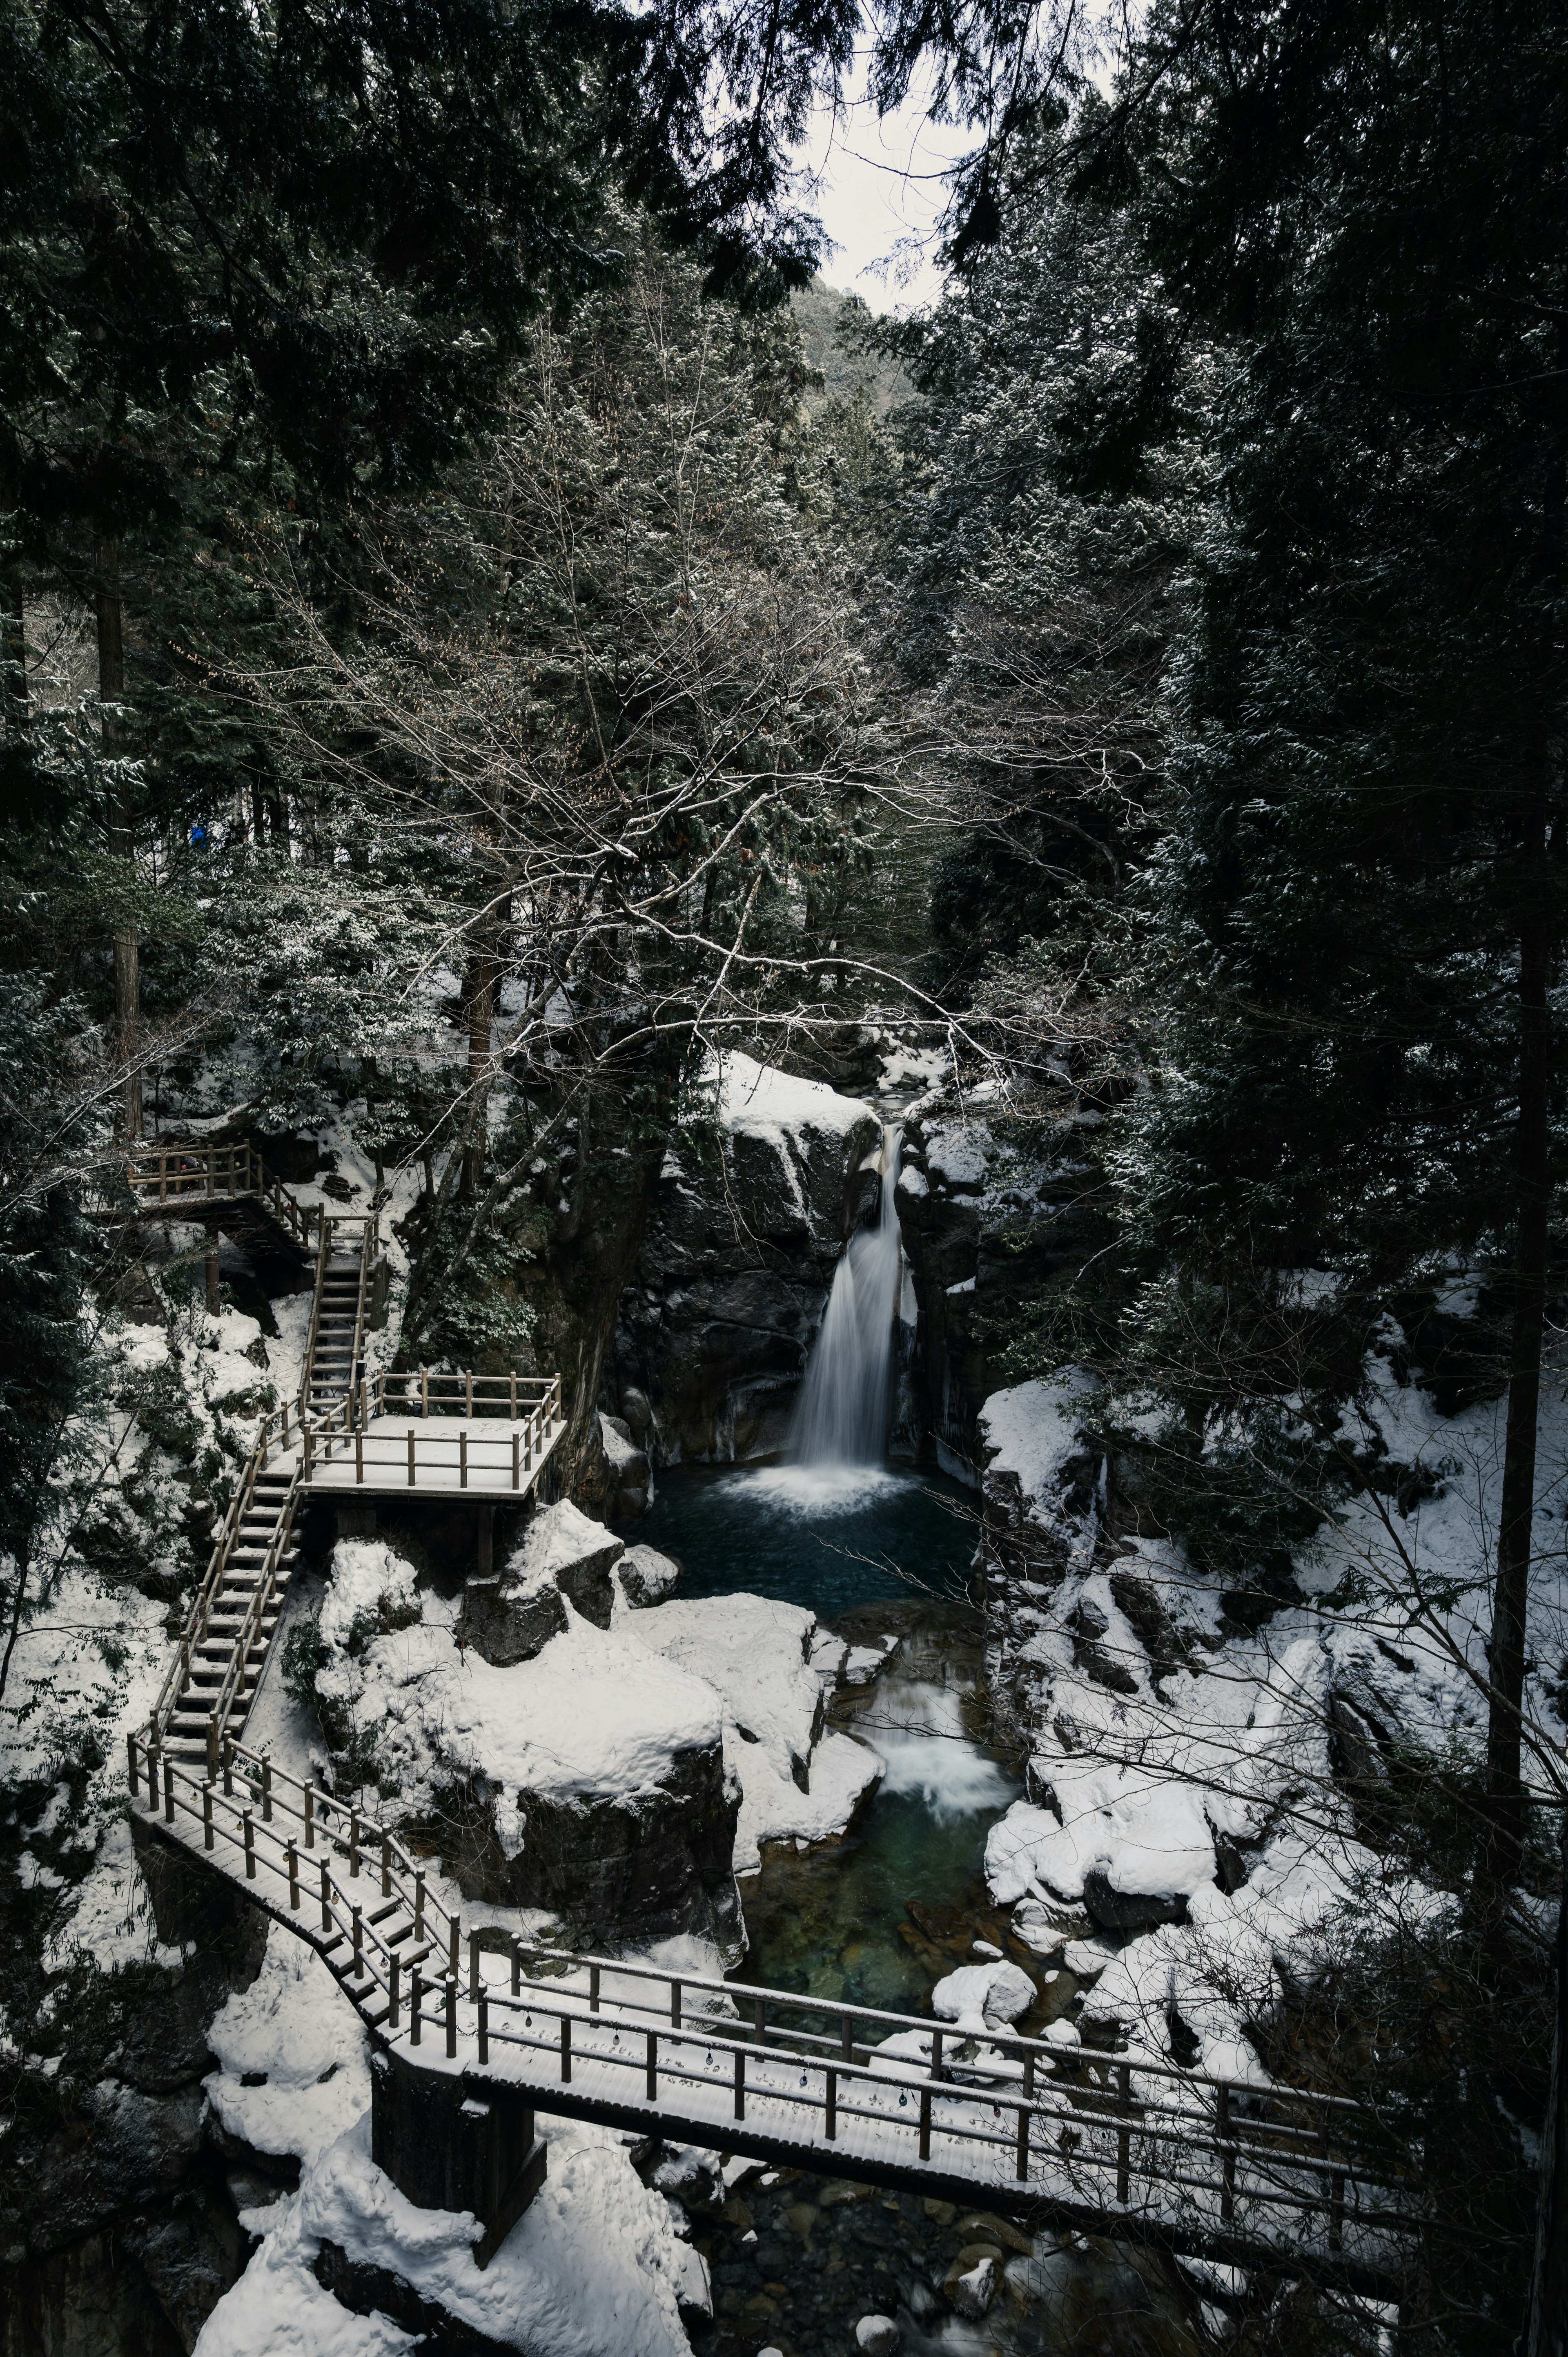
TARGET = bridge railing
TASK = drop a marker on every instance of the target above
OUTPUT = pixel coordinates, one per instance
(530, 1404)
(1122, 2134)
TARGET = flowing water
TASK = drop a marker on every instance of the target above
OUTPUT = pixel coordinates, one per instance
(879, 1916)
(841, 1419)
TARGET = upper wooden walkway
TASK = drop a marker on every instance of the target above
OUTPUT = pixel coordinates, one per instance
(436, 1435)
(1269, 2177)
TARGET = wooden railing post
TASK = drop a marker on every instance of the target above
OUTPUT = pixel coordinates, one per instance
(325, 1896)
(832, 2112)
(1227, 2153)
(566, 2049)
(463, 1459)
(415, 2003)
(131, 1765)
(292, 1855)
(168, 1789)
(411, 1455)
(1123, 2134)
(247, 1820)
(451, 2016)
(484, 2025)
(653, 2066)
(207, 1815)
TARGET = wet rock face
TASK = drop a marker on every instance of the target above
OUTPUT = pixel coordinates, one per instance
(116, 2231)
(728, 1288)
(980, 1226)
(561, 1555)
(1130, 1910)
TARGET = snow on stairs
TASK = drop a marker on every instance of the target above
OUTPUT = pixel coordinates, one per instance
(335, 1332)
(211, 1666)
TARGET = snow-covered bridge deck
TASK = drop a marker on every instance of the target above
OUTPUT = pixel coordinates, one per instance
(1246, 2174)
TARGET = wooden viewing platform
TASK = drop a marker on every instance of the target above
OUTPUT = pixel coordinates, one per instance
(1246, 2175)
(479, 1435)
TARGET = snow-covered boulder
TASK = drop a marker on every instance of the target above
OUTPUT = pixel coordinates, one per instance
(979, 1997)
(566, 1545)
(589, 1781)
(645, 1577)
(563, 1556)
(594, 2267)
(756, 1654)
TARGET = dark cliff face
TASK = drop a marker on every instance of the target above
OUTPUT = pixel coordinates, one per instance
(985, 1227)
(121, 2226)
(728, 1288)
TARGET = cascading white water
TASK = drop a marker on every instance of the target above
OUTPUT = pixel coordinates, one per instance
(841, 1416)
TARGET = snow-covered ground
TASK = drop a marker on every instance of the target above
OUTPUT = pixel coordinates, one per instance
(1182, 1767)
(594, 2268)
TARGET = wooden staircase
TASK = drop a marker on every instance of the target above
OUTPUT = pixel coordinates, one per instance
(213, 1680)
(337, 1324)
(219, 1672)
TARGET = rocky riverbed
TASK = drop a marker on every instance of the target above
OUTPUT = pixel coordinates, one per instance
(798, 2262)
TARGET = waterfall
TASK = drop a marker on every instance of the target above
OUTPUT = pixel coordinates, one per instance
(845, 1400)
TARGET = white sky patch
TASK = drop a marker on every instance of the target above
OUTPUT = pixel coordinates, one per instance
(879, 193)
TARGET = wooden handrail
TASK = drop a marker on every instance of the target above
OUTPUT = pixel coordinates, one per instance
(1008, 2109)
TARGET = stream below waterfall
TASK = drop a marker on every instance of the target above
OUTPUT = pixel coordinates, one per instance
(880, 1916)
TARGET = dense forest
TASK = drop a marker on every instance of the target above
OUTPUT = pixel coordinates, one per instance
(491, 637)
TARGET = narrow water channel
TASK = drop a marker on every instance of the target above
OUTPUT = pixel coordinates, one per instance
(879, 1917)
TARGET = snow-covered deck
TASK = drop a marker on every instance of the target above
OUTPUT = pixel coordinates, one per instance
(477, 1456)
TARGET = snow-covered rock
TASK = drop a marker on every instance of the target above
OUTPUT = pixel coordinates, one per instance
(979, 1997)
(563, 1556)
(588, 1781)
(293, 2066)
(594, 2267)
(645, 1577)
(756, 1654)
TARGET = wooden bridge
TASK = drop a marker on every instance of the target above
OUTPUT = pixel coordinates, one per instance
(1132, 2145)
(441, 1434)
